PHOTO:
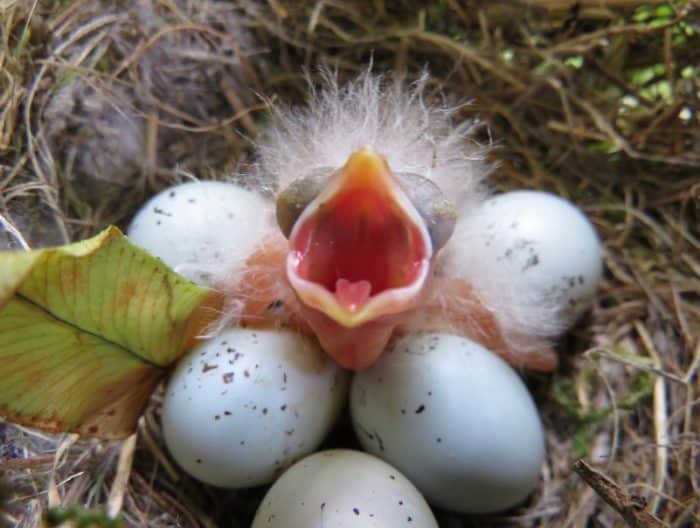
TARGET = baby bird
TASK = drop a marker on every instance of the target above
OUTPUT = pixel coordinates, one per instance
(374, 184)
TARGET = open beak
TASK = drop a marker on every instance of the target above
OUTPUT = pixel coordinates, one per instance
(359, 251)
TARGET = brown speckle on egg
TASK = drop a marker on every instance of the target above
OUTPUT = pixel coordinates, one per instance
(207, 367)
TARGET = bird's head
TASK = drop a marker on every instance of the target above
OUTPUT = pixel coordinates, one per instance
(362, 240)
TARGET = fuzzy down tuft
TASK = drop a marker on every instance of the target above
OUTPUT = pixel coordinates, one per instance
(395, 120)
(417, 137)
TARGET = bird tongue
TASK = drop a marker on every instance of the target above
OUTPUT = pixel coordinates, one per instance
(352, 295)
(359, 250)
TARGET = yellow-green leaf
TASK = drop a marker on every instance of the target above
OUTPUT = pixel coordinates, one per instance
(87, 331)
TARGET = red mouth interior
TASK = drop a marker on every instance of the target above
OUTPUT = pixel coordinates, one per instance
(359, 235)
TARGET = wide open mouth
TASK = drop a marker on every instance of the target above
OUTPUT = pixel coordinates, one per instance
(360, 249)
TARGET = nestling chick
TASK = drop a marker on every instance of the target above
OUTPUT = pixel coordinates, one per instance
(373, 179)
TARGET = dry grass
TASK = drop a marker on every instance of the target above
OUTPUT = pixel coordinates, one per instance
(596, 101)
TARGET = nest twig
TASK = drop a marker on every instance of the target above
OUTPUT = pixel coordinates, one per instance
(595, 101)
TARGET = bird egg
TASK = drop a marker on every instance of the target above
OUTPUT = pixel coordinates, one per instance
(454, 418)
(245, 405)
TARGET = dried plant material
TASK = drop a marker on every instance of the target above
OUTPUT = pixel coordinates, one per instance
(123, 97)
(632, 509)
(121, 480)
(10, 237)
(100, 137)
(595, 101)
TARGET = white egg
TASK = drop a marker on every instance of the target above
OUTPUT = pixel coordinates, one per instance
(199, 226)
(534, 256)
(454, 418)
(343, 489)
(242, 407)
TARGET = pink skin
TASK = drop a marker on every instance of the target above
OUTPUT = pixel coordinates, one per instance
(357, 269)
(268, 299)
(353, 348)
(359, 256)
(445, 305)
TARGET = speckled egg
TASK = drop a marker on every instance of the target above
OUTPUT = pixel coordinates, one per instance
(242, 407)
(537, 243)
(201, 225)
(454, 418)
(343, 489)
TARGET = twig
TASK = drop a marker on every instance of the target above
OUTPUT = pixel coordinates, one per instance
(604, 352)
(15, 240)
(582, 43)
(660, 416)
(54, 495)
(468, 53)
(25, 463)
(143, 47)
(631, 508)
(121, 480)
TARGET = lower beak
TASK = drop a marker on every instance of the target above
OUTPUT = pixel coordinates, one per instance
(360, 250)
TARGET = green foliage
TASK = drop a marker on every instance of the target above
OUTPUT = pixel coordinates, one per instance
(21, 43)
(87, 331)
(654, 15)
(564, 393)
(77, 517)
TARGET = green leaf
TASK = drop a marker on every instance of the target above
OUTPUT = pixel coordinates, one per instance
(581, 442)
(87, 331)
(575, 61)
(665, 11)
(80, 518)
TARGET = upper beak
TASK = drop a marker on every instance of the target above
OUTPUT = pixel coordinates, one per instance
(360, 250)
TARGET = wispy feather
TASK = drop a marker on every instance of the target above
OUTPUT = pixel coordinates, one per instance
(413, 134)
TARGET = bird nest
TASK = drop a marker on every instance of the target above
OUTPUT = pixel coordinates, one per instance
(104, 103)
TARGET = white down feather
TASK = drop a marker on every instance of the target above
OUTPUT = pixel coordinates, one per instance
(416, 136)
